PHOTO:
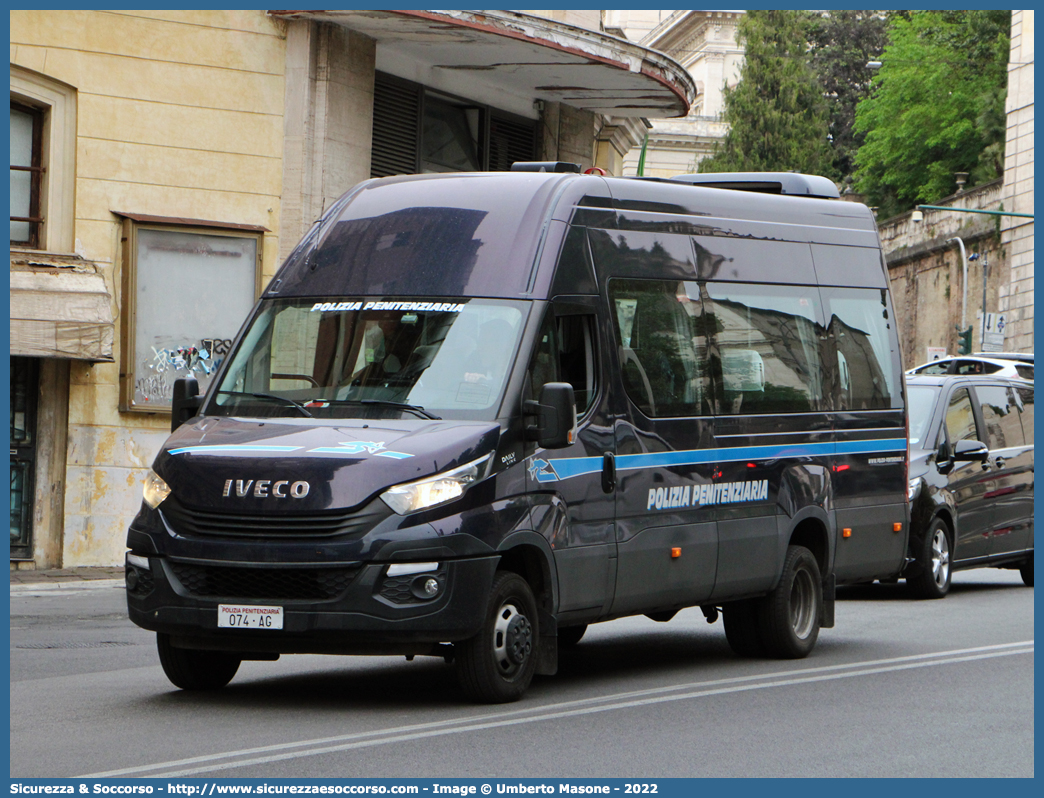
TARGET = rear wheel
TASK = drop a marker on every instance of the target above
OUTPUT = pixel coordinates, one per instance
(741, 627)
(497, 665)
(789, 615)
(1026, 569)
(191, 669)
(932, 580)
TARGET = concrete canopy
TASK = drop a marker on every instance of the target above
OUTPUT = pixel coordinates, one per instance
(529, 55)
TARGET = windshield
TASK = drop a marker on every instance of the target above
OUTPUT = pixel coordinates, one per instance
(368, 358)
(921, 405)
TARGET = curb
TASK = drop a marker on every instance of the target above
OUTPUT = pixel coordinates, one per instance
(66, 587)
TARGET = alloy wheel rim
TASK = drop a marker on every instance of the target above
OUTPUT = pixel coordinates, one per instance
(940, 558)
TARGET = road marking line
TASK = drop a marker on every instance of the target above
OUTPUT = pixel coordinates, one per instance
(567, 709)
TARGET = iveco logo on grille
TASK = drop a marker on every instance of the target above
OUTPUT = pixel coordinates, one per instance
(263, 488)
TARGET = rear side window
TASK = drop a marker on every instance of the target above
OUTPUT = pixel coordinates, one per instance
(663, 346)
(1000, 414)
(1025, 371)
(768, 341)
(960, 419)
(866, 366)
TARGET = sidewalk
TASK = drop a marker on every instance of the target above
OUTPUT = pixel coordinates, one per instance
(66, 579)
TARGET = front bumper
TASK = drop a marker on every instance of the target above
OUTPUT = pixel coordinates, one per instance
(355, 608)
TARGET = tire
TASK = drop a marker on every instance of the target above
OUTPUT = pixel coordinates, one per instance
(741, 628)
(934, 571)
(569, 636)
(191, 669)
(497, 665)
(1026, 569)
(789, 615)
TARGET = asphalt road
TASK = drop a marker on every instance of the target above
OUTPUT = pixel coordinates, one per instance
(898, 688)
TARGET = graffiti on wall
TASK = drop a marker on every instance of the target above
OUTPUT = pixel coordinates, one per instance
(157, 371)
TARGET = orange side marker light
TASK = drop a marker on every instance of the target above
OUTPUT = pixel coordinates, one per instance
(846, 532)
(676, 552)
(897, 526)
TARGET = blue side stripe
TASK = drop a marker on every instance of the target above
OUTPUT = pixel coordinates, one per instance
(569, 467)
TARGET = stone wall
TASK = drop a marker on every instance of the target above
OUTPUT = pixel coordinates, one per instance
(1016, 299)
(926, 274)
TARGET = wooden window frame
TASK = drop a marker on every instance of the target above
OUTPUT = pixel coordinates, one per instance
(35, 218)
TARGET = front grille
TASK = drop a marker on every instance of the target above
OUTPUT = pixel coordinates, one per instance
(320, 524)
(221, 581)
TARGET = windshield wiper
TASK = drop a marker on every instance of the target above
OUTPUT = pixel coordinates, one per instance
(283, 399)
(420, 411)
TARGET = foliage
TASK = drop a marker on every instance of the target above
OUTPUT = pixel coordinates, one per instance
(937, 107)
(776, 113)
(842, 44)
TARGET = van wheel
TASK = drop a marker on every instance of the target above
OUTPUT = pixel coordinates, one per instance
(933, 563)
(789, 615)
(570, 635)
(1026, 569)
(741, 628)
(191, 669)
(497, 665)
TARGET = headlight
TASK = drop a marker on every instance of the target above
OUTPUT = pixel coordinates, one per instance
(436, 490)
(913, 489)
(155, 490)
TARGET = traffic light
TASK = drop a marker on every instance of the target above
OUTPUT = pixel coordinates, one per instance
(964, 341)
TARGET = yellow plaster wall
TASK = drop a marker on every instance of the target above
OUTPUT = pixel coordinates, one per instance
(180, 113)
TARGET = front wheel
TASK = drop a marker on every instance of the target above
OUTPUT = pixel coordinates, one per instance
(789, 615)
(932, 580)
(191, 669)
(497, 665)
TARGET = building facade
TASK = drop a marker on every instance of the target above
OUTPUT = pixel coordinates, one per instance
(706, 44)
(164, 163)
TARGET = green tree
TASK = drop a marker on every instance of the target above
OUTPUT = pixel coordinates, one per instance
(937, 107)
(842, 44)
(776, 113)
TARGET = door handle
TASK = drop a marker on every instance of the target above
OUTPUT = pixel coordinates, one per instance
(608, 472)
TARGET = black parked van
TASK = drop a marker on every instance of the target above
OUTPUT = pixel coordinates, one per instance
(473, 413)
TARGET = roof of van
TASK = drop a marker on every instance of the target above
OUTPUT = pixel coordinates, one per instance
(482, 233)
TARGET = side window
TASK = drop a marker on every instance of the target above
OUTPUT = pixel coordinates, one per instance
(1025, 395)
(768, 341)
(543, 368)
(862, 330)
(968, 367)
(577, 357)
(939, 367)
(661, 334)
(960, 420)
(1025, 371)
(1000, 415)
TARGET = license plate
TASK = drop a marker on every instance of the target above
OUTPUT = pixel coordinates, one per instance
(249, 616)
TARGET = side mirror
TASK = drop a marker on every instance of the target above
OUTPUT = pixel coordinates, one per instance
(186, 401)
(971, 450)
(556, 410)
